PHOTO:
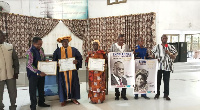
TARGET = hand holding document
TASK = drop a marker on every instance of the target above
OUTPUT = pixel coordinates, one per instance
(49, 68)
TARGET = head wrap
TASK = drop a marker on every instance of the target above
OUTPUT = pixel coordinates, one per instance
(96, 41)
(65, 37)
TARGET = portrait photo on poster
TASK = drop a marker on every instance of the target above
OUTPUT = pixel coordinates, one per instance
(117, 76)
(141, 76)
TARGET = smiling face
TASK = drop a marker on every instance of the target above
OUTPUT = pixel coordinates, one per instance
(38, 44)
(140, 81)
(119, 69)
(65, 43)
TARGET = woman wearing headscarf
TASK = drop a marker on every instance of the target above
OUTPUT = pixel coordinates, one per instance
(97, 79)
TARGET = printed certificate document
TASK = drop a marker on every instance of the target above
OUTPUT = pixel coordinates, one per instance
(66, 64)
(96, 64)
(48, 68)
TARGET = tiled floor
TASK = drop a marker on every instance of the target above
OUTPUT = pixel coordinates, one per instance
(184, 92)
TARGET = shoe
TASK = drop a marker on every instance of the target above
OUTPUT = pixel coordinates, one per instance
(125, 98)
(63, 103)
(116, 98)
(136, 97)
(146, 97)
(167, 98)
(43, 105)
(156, 96)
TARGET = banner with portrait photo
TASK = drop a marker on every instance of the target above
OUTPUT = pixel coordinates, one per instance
(121, 69)
(146, 76)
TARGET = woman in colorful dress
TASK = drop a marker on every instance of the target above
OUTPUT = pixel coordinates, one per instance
(97, 79)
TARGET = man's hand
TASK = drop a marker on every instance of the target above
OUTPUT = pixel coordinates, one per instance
(42, 74)
(15, 76)
(75, 62)
(167, 52)
(47, 60)
(171, 55)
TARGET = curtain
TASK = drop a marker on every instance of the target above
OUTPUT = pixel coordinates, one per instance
(107, 29)
(77, 27)
(141, 25)
(21, 29)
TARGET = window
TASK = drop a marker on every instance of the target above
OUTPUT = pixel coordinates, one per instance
(110, 2)
(173, 38)
(192, 42)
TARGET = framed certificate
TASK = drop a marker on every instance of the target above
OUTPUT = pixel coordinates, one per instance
(96, 64)
(66, 64)
(48, 68)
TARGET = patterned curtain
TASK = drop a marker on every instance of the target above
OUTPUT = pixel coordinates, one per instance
(141, 25)
(107, 29)
(77, 27)
(40, 26)
(104, 29)
(21, 29)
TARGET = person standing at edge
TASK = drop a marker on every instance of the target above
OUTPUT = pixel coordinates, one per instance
(165, 54)
(9, 70)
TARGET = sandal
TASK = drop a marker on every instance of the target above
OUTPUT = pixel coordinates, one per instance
(75, 102)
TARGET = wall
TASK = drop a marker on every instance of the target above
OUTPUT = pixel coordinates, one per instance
(26, 7)
(180, 15)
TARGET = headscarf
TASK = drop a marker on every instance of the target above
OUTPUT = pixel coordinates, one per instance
(96, 41)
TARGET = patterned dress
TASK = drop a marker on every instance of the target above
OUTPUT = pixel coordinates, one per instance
(97, 81)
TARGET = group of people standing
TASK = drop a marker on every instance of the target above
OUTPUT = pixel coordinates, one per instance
(164, 52)
(68, 81)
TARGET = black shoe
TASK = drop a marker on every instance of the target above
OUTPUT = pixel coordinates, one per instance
(167, 98)
(146, 97)
(116, 98)
(136, 97)
(125, 98)
(156, 96)
(43, 105)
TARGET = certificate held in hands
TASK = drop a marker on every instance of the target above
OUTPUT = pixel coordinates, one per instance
(66, 64)
(48, 68)
(96, 64)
